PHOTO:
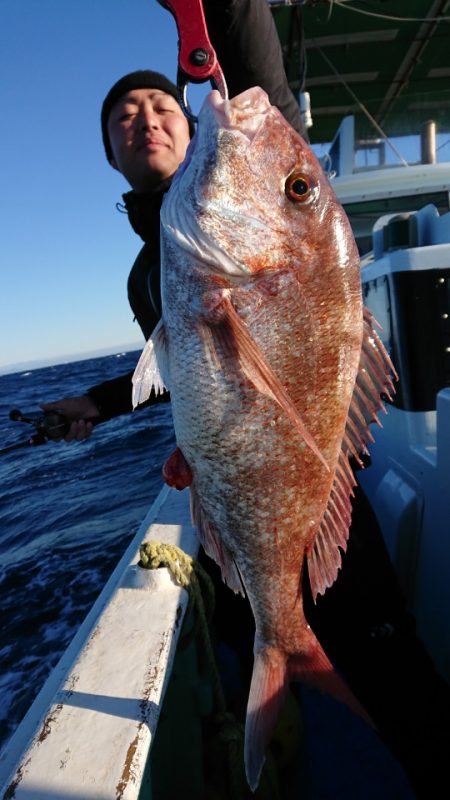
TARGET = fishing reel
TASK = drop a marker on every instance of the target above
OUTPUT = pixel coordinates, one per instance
(48, 425)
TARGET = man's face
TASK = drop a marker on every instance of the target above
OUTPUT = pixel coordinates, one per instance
(149, 135)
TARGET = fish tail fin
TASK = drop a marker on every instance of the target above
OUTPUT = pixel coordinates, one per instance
(314, 669)
(268, 690)
(273, 671)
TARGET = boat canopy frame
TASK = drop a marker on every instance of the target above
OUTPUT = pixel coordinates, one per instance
(381, 58)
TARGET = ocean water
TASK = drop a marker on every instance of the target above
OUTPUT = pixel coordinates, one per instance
(67, 513)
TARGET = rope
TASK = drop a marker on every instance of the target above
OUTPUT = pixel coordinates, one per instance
(189, 574)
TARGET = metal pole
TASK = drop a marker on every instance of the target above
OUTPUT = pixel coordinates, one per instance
(428, 142)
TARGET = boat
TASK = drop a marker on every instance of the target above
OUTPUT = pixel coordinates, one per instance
(95, 731)
(399, 210)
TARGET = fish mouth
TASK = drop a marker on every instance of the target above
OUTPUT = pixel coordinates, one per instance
(243, 114)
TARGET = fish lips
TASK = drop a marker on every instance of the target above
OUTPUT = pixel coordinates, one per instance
(243, 114)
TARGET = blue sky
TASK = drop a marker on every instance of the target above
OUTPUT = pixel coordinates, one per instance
(65, 251)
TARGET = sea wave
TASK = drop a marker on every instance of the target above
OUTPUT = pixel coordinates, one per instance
(67, 514)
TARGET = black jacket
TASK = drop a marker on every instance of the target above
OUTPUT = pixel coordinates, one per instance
(246, 42)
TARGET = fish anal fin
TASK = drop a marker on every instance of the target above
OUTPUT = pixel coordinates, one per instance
(176, 471)
(152, 368)
(232, 337)
(213, 546)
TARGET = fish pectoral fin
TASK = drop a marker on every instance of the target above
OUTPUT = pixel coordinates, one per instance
(234, 339)
(152, 368)
(214, 547)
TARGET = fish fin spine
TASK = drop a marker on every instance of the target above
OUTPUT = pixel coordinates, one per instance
(375, 378)
(324, 559)
(376, 375)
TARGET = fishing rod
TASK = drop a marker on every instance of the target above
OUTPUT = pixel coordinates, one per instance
(50, 425)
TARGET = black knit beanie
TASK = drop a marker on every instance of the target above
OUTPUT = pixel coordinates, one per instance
(141, 79)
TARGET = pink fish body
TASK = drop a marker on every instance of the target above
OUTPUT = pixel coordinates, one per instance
(274, 370)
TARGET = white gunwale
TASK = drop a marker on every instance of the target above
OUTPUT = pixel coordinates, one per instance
(89, 731)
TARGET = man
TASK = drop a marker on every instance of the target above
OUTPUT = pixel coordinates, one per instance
(362, 620)
(145, 135)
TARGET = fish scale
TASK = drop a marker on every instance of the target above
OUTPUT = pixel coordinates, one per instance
(261, 342)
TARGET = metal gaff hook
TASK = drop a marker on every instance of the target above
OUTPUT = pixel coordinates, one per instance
(216, 81)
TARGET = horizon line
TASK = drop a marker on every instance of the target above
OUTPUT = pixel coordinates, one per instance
(39, 363)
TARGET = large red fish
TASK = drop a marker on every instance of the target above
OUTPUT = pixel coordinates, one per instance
(274, 370)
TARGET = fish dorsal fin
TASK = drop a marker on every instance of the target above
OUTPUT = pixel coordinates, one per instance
(214, 547)
(152, 368)
(374, 379)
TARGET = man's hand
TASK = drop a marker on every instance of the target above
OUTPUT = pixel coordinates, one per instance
(77, 410)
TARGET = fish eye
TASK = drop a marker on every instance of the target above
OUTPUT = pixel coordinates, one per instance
(298, 187)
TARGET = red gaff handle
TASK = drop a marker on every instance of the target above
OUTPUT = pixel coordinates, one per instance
(196, 57)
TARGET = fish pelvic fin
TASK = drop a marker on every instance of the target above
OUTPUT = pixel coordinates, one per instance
(176, 471)
(213, 545)
(273, 671)
(232, 336)
(152, 368)
(375, 377)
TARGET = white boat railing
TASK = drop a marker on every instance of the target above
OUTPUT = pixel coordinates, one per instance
(89, 731)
